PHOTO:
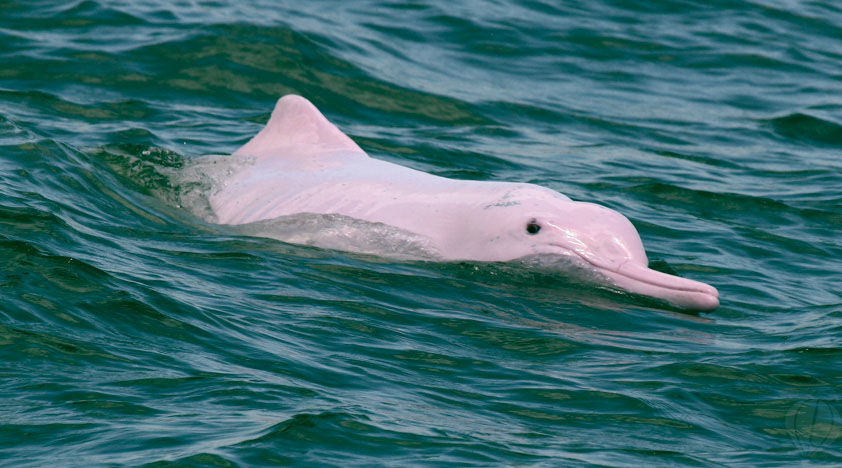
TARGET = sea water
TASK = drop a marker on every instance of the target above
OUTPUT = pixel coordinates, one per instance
(133, 331)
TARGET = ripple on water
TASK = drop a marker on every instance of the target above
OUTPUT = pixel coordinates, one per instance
(133, 332)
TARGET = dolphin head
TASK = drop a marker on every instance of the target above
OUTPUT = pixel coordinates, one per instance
(533, 221)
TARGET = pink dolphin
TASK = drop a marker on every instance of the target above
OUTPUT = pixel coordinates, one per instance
(301, 163)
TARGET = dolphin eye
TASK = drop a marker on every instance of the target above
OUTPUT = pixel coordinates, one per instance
(532, 227)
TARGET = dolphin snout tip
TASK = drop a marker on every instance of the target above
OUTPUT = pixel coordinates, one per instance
(700, 297)
(709, 301)
(691, 295)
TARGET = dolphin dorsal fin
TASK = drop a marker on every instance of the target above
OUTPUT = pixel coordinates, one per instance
(297, 127)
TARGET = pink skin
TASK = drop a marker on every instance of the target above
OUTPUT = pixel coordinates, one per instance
(301, 163)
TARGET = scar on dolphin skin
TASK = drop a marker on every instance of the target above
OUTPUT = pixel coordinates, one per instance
(300, 163)
(502, 204)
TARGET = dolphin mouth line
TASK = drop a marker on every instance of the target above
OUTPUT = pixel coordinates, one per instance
(689, 287)
(639, 279)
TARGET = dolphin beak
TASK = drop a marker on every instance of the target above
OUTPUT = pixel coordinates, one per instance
(680, 292)
(613, 247)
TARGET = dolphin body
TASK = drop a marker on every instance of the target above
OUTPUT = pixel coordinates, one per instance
(302, 164)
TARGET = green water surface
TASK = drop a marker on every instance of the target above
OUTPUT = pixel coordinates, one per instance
(132, 332)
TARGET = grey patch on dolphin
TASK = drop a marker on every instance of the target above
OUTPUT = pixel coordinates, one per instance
(502, 205)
